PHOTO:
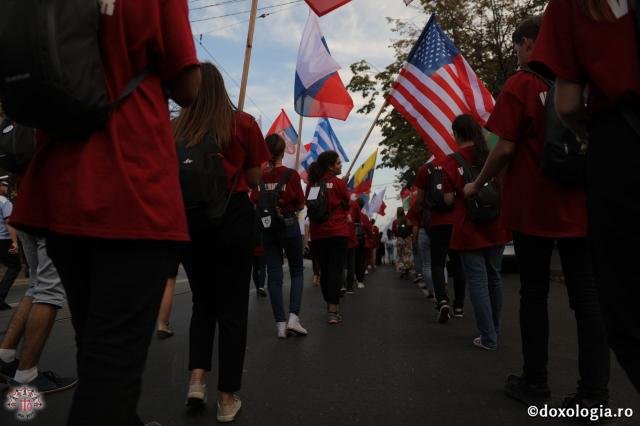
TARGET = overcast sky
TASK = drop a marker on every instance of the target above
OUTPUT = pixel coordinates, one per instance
(358, 30)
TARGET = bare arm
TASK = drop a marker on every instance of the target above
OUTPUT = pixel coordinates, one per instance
(569, 101)
(253, 176)
(184, 89)
(497, 160)
(14, 237)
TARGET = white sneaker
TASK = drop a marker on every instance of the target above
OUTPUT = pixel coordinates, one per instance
(294, 325)
(227, 413)
(360, 285)
(282, 330)
(197, 395)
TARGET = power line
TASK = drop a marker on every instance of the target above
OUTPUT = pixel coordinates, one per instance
(231, 78)
(264, 15)
(191, 9)
(245, 11)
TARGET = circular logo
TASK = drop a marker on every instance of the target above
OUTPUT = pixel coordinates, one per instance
(25, 401)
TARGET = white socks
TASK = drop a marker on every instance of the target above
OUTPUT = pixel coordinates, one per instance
(26, 376)
(7, 355)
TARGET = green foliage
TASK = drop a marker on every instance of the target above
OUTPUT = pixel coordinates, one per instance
(481, 29)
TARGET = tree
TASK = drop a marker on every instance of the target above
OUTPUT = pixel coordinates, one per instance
(481, 30)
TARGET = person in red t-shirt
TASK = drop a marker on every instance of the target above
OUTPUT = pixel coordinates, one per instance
(403, 230)
(480, 245)
(593, 44)
(282, 235)
(218, 259)
(331, 236)
(438, 232)
(355, 237)
(259, 266)
(541, 212)
(375, 240)
(114, 228)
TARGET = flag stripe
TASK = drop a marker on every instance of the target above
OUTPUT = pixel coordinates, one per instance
(436, 91)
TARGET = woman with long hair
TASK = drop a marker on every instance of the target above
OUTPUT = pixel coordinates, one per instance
(480, 244)
(283, 236)
(218, 259)
(330, 236)
(403, 231)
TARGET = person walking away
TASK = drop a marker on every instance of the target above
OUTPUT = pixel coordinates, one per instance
(259, 269)
(422, 244)
(364, 246)
(218, 258)
(403, 232)
(440, 225)
(8, 247)
(374, 243)
(122, 205)
(330, 235)
(356, 234)
(281, 234)
(583, 44)
(380, 249)
(32, 322)
(480, 244)
(540, 212)
(163, 328)
(390, 246)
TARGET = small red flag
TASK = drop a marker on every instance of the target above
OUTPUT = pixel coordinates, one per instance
(322, 7)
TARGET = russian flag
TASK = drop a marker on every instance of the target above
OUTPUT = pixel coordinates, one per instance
(322, 7)
(362, 180)
(319, 91)
(283, 127)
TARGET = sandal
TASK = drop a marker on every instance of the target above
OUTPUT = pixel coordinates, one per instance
(334, 318)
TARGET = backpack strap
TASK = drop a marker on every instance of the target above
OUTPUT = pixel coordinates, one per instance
(547, 81)
(132, 86)
(283, 180)
(465, 165)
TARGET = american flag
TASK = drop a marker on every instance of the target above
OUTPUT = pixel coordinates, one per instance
(435, 85)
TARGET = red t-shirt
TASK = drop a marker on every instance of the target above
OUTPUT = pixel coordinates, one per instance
(467, 235)
(422, 182)
(603, 55)
(354, 211)
(339, 197)
(291, 197)
(532, 203)
(376, 237)
(121, 183)
(368, 231)
(247, 150)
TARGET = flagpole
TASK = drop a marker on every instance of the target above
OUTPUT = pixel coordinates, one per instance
(299, 142)
(247, 55)
(366, 138)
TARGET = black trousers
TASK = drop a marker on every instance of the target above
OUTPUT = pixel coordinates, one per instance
(259, 271)
(440, 236)
(12, 262)
(534, 258)
(114, 290)
(351, 268)
(331, 253)
(218, 265)
(613, 161)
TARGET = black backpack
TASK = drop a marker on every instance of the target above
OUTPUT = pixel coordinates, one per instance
(434, 195)
(485, 207)
(17, 145)
(563, 157)
(269, 215)
(318, 207)
(404, 229)
(203, 181)
(51, 76)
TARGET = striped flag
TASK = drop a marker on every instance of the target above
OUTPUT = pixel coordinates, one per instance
(283, 127)
(310, 155)
(435, 85)
(362, 180)
(326, 140)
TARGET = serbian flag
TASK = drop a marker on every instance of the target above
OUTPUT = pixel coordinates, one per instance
(435, 85)
(283, 127)
(361, 181)
(322, 7)
(319, 91)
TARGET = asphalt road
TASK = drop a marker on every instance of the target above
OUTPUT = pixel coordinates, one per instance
(389, 363)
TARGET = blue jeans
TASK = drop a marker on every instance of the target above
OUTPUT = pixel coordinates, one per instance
(424, 250)
(289, 241)
(482, 270)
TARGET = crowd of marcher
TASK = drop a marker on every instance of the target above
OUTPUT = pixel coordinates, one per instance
(144, 194)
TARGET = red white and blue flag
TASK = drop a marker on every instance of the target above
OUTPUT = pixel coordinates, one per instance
(319, 91)
(326, 140)
(435, 85)
(283, 127)
(322, 7)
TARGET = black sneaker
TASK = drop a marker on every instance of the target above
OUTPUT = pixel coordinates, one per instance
(48, 382)
(4, 306)
(262, 292)
(8, 370)
(575, 400)
(444, 313)
(529, 394)
(343, 291)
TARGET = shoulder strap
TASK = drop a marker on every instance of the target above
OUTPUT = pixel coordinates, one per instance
(547, 81)
(431, 168)
(132, 85)
(283, 180)
(468, 170)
